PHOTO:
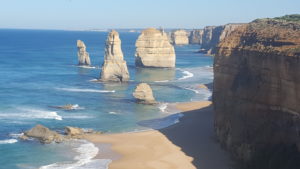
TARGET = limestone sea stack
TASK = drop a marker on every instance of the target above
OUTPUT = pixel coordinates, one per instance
(114, 67)
(196, 36)
(256, 93)
(83, 55)
(180, 37)
(143, 94)
(153, 49)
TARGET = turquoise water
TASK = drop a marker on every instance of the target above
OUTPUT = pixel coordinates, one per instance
(38, 69)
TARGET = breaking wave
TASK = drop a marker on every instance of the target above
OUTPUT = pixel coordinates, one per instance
(86, 90)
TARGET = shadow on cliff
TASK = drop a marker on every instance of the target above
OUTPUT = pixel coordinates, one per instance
(194, 134)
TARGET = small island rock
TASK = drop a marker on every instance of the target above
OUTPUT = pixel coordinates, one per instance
(83, 55)
(143, 94)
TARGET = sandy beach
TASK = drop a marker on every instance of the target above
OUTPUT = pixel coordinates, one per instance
(188, 144)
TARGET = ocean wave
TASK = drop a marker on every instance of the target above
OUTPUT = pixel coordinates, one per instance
(94, 80)
(112, 112)
(31, 113)
(88, 67)
(77, 116)
(8, 141)
(186, 75)
(162, 81)
(86, 151)
(161, 122)
(16, 135)
(86, 90)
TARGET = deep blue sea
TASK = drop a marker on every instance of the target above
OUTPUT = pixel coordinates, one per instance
(38, 69)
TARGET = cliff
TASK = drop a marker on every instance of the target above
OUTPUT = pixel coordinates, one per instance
(114, 67)
(212, 35)
(153, 49)
(180, 37)
(196, 36)
(257, 93)
(83, 56)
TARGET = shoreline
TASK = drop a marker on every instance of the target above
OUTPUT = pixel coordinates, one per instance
(176, 146)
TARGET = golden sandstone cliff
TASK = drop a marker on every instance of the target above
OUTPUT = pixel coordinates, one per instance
(257, 93)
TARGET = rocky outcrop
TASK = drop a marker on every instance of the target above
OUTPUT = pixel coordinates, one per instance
(114, 67)
(196, 36)
(180, 37)
(256, 93)
(143, 94)
(83, 56)
(212, 35)
(153, 49)
(43, 134)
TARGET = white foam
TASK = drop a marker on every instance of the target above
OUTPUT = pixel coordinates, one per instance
(88, 67)
(16, 135)
(187, 75)
(162, 107)
(84, 160)
(112, 112)
(86, 90)
(94, 80)
(162, 81)
(8, 141)
(31, 113)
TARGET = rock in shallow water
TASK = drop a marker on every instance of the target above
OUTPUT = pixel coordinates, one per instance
(143, 93)
(153, 49)
(83, 56)
(43, 134)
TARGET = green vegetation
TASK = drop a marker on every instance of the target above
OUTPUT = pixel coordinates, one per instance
(289, 18)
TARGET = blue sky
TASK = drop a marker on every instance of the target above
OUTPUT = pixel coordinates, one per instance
(101, 14)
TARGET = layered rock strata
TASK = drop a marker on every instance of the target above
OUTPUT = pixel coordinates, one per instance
(114, 67)
(195, 36)
(180, 37)
(143, 94)
(153, 49)
(83, 55)
(256, 93)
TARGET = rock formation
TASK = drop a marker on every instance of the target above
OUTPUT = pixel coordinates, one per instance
(114, 67)
(196, 36)
(256, 93)
(43, 134)
(143, 94)
(180, 37)
(153, 49)
(83, 56)
(73, 131)
(212, 35)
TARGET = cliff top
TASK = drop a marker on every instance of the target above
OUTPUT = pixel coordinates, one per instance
(150, 31)
(279, 35)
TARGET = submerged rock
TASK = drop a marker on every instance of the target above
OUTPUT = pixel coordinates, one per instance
(43, 134)
(143, 94)
(83, 56)
(114, 67)
(180, 37)
(66, 107)
(153, 49)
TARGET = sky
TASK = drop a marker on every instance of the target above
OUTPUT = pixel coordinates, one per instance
(107, 14)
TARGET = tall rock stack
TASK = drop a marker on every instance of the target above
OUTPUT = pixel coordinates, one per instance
(83, 56)
(180, 37)
(196, 36)
(153, 49)
(114, 67)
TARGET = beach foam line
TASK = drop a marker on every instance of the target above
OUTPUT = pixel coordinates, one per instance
(86, 90)
(31, 113)
(85, 158)
(8, 141)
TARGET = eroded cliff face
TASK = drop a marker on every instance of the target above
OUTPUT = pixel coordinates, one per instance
(212, 35)
(180, 37)
(196, 36)
(257, 93)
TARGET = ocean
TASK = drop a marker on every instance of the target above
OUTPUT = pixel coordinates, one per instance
(39, 69)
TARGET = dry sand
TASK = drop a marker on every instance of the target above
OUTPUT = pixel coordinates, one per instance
(188, 144)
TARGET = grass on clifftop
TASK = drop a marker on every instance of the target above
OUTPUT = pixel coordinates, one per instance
(289, 18)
